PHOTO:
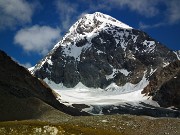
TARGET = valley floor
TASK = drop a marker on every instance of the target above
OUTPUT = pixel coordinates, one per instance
(95, 125)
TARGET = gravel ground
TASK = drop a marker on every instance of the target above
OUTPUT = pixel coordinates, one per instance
(96, 125)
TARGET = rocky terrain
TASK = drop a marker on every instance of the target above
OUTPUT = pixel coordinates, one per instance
(164, 86)
(96, 125)
(23, 96)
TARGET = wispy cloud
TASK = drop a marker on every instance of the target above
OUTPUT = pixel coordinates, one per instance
(151, 8)
(37, 38)
(67, 12)
(148, 26)
(171, 15)
(15, 12)
(173, 11)
(147, 8)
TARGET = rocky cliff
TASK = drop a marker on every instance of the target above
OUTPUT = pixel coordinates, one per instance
(164, 86)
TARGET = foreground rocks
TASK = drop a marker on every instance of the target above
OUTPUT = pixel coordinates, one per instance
(96, 125)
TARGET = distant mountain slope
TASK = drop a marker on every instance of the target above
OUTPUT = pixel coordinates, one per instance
(164, 86)
(99, 50)
(23, 96)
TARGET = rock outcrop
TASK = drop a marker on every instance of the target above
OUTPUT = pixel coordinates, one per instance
(164, 86)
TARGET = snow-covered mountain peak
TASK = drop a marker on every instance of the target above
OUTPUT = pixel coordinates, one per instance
(96, 21)
(107, 20)
(99, 50)
(103, 57)
(89, 26)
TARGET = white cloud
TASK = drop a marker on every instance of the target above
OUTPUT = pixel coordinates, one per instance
(37, 38)
(15, 12)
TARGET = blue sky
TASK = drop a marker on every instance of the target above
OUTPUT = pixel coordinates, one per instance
(30, 28)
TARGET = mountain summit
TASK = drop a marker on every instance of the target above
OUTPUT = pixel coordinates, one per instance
(102, 52)
(95, 22)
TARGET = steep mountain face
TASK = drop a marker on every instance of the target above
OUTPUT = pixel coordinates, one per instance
(164, 86)
(23, 96)
(99, 50)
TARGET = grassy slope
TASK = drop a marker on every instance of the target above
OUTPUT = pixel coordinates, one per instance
(96, 125)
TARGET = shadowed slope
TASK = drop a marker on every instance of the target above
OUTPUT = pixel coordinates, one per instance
(23, 96)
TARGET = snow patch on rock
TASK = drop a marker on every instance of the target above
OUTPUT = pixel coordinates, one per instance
(177, 54)
(115, 71)
(150, 46)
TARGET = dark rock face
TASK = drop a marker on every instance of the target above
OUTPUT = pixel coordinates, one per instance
(23, 96)
(164, 85)
(80, 58)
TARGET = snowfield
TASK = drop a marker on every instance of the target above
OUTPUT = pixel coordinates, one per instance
(101, 97)
(112, 95)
